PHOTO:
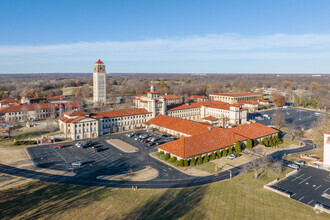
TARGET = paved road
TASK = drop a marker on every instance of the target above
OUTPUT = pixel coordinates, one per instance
(185, 181)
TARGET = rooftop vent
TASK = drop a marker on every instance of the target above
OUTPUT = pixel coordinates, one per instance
(210, 128)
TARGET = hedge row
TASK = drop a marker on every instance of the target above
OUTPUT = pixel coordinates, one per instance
(25, 142)
(200, 160)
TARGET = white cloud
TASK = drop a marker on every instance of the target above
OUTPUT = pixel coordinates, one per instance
(208, 47)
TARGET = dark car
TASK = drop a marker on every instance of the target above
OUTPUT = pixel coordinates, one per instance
(164, 135)
(98, 149)
(150, 144)
(89, 143)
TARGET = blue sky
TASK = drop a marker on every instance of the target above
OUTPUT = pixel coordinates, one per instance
(164, 36)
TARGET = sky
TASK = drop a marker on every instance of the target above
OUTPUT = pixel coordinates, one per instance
(165, 36)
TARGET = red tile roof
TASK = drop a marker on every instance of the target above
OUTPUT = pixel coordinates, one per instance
(180, 125)
(99, 62)
(120, 113)
(76, 113)
(210, 104)
(170, 96)
(214, 139)
(236, 94)
(193, 97)
(254, 130)
(71, 120)
(9, 101)
(19, 108)
(327, 132)
(210, 118)
(202, 143)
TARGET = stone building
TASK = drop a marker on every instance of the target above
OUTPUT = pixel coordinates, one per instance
(99, 82)
(232, 98)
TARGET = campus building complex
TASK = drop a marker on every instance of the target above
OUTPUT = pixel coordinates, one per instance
(234, 97)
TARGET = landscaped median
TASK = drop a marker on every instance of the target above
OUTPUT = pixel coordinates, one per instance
(123, 146)
(145, 174)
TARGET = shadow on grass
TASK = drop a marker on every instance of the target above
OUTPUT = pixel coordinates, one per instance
(39, 199)
(173, 204)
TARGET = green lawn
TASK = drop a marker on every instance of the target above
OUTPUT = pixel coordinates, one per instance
(239, 198)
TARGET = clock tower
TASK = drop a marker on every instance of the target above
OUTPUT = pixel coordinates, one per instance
(99, 82)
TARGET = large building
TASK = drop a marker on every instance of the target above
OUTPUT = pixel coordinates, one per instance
(19, 111)
(99, 82)
(81, 125)
(197, 139)
(232, 98)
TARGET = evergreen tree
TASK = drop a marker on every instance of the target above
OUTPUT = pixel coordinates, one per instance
(180, 163)
(224, 152)
(161, 152)
(206, 158)
(185, 163)
(238, 147)
(230, 150)
(173, 159)
(200, 160)
(249, 143)
(212, 157)
(193, 161)
(219, 154)
(167, 156)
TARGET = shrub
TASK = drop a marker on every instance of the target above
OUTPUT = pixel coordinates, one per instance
(199, 161)
(212, 157)
(167, 156)
(25, 142)
(230, 150)
(238, 147)
(224, 152)
(249, 143)
(206, 158)
(173, 159)
(185, 163)
(157, 154)
(193, 161)
(162, 157)
(180, 163)
(219, 154)
(161, 152)
(176, 163)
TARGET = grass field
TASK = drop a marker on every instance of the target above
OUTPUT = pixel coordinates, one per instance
(239, 198)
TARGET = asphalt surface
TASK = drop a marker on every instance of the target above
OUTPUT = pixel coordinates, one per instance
(307, 186)
(299, 118)
(168, 178)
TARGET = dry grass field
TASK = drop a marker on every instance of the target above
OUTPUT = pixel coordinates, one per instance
(239, 198)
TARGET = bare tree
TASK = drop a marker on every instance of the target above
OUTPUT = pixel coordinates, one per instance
(24, 112)
(38, 110)
(259, 164)
(318, 131)
(278, 119)
(278, 99)
(8, 127)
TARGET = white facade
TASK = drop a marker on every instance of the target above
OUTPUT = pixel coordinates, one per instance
(99, 82)
(326, 150)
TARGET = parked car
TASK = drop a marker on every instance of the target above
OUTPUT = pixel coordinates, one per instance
(150, 130)
(231, 156)
(35, 119)
(284, 106)
(98, 149)
(137, 138)
(78, 144)
(95, 146)
(300, 162)
(150, 144)
(145, 141)
(76, 163)
(164, 135)
(293, 166)
(58, 146)
(89, 143)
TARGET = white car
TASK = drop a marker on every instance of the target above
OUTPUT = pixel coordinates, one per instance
(293, 166)
(76, 163)
(284, 106)
(231, 156)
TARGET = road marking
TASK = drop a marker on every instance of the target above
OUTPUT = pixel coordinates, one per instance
(318, 187)
(305, 179)
(301, 198)
(297, 177)
(293, 194)
(61, 156)
(326, 190)
(310, 201)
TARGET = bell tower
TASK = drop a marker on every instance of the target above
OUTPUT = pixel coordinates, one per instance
(99, 82)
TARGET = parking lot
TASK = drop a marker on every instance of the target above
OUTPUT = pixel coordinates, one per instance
(299, 118)
(107, 161)
(309, 185)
